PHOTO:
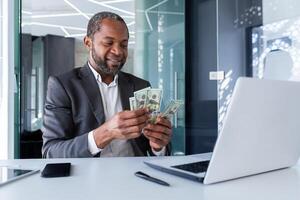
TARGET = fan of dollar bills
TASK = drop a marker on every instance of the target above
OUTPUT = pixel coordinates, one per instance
(151, 98)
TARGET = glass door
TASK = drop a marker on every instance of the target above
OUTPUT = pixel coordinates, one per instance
(160, 55)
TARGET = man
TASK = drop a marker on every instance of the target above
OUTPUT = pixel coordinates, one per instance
(87, 110)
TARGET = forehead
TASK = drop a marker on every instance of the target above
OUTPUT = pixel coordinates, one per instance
(112, 29)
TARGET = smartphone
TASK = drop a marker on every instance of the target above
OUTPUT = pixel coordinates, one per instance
(56, 170)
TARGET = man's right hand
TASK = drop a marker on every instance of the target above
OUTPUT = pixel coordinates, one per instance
(123, 125)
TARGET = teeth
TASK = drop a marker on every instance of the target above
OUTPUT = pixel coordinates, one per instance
(114, 61)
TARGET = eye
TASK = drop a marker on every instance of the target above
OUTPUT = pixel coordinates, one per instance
(124, 46)
(107, 43)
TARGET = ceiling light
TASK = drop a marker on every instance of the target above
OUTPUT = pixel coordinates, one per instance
(161, 12)
(65, 31)
(111, 7)
(56, 15)
(52, 25)
(131, 23)
(126, 16)
(77, 9)
(76, 35)
(26, 12)
(117, 1)
(148, 9)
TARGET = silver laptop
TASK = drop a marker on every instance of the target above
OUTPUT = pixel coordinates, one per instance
(261, 133)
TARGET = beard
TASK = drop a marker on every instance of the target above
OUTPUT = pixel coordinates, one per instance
(102, 65)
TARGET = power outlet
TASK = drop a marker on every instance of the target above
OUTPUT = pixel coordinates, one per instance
(216, 75)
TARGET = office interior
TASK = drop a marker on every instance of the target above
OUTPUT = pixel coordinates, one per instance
(194, 50)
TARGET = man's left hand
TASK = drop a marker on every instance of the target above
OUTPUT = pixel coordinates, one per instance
(159, 134)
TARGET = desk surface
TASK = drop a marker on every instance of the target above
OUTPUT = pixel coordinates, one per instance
(113, 178)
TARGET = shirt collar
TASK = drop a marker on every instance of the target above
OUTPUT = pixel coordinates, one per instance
(99, 78)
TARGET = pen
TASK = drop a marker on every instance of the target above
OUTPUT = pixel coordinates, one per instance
(150, 178)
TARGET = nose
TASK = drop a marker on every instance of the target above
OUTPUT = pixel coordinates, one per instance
(116, 49)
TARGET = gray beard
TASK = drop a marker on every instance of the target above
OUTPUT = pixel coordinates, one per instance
(102, 66)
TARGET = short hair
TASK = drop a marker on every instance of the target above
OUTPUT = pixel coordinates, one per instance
(94, 24)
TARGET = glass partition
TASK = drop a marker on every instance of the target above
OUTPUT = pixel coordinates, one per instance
(276, 50)
(160, 55)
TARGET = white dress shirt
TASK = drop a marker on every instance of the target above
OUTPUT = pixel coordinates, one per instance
(111, 104)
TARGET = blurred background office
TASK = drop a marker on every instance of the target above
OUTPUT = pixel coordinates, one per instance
(192, 49)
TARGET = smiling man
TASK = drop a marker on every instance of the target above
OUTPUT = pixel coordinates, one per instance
(87, 109)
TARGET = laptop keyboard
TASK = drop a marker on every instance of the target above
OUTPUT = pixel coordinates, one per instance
(196, 167)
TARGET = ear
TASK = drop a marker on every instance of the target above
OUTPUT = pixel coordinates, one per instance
(87, 42)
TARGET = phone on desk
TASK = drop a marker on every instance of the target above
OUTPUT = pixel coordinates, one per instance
(56, 170)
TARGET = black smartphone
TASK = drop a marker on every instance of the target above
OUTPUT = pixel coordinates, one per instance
(56, 170)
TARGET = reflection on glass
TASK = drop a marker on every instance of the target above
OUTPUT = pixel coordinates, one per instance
(224, 96)
(279, 40)
(248, 13)
(235, 19)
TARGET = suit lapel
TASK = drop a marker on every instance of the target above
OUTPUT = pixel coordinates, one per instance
(126, 90)
(92, 91)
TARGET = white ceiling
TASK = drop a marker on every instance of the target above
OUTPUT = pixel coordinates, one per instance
(69, 18)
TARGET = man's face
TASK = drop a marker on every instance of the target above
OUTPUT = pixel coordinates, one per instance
(109, 47)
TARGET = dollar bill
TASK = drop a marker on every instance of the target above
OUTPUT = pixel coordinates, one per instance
(153, 100)
(153, 117)
(172, 108)
(132, 103)
(141, 98)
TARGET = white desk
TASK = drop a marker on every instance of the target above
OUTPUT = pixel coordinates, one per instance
(113, 178)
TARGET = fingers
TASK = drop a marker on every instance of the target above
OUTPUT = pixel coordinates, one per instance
(159, 134)
(165, 136)
(164, 122)
(133, 113)
(129, 124)
(128, 136)
(158, 128)
(157, 140)
(128, 132)
(133, 129)
(135, 121)
(128, 118)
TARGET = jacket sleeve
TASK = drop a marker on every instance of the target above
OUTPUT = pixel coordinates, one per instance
(59, 140)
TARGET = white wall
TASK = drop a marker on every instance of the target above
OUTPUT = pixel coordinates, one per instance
(275, 10)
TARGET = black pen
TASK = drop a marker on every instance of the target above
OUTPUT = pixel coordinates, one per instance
(150, 178)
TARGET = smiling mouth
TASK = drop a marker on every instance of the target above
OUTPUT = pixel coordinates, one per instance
(114, 62)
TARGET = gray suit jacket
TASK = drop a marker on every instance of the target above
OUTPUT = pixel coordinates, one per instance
(74, 107)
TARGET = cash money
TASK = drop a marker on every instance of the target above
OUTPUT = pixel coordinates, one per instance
(132, 103)
(153, 117)
(141, 98)
(172, 108)
(154, 99)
